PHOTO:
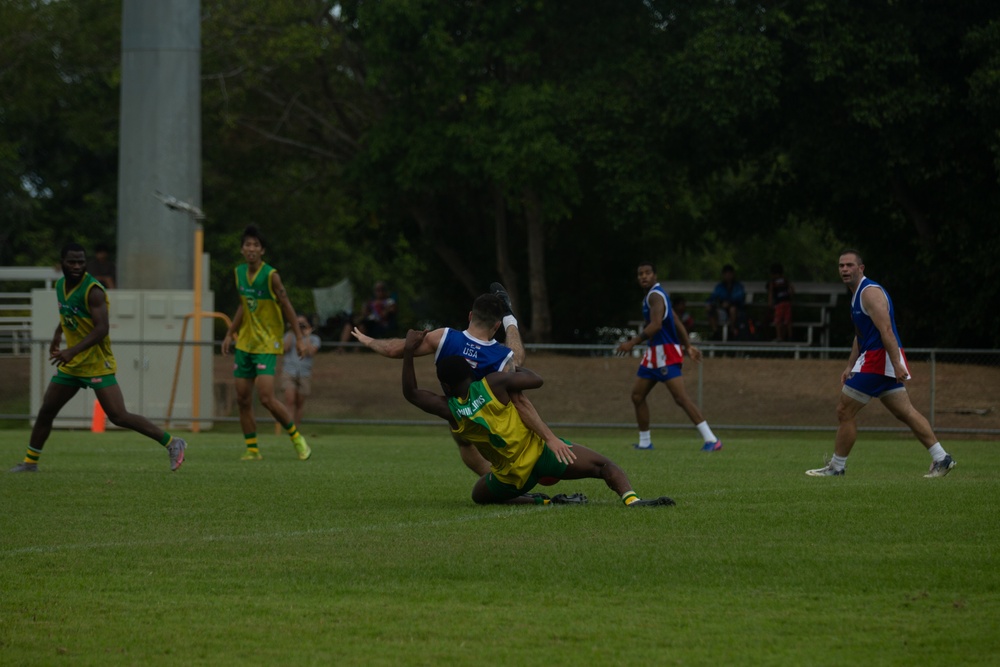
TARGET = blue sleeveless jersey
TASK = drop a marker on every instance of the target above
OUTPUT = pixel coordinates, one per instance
(485, 356)
(872, 358)
(664, 347)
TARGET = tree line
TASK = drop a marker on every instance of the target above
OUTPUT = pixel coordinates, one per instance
(548, 144)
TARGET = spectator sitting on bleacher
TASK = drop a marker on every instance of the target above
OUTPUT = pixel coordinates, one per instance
(727, 303)
(779, 299)
(680, 307)
(378, 315)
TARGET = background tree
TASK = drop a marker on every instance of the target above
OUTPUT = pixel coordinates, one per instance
(59, 75)
(441, 145)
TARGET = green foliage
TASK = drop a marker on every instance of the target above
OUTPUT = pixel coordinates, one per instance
(339, 561)
(428, 142)
(58, 125)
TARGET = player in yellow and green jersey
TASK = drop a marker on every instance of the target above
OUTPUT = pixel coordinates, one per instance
(481, 412)
(87, 362)
(258, 328)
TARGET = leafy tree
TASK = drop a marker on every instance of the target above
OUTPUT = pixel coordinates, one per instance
(59, 120)
(553, 144)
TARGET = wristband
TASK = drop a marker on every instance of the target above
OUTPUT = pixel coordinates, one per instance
(509, 321)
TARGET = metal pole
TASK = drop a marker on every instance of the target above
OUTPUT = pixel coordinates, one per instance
(199, 235)
(159, 140)
(933, 385)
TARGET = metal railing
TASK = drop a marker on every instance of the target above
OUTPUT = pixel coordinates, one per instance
(739, 387)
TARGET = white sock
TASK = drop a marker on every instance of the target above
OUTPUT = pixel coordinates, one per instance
(937, 452)
(838, 462)
(644, 440)
(706, 432)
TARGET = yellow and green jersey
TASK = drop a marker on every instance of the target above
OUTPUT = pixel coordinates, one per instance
(498, 433)
(76, 322)
(263, 324)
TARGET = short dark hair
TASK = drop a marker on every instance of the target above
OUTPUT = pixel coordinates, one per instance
(72, 246)
(453, 370)
(251, 232)
(728, 267)
(649, 264)
(852, 251)
(487, 309)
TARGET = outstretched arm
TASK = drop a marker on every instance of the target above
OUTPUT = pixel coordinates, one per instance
(429, 402)
(393, 347)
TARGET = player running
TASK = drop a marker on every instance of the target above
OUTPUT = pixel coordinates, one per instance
(86, 363)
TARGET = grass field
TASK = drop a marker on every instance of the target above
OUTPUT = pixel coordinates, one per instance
(372, 553)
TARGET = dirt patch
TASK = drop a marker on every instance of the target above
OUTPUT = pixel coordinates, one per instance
(596, 390)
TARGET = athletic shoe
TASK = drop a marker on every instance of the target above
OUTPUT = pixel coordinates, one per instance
(498, 289)
(653, 502)
(636, 445)
(539, 498)
(941, 468)
(571, 499)
(176, 449)
(251, 456)
(25, 467)
(712, 446)
(301, 447)
(826, 471)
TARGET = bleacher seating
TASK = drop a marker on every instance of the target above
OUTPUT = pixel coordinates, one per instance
(811, 306)
(15, 306)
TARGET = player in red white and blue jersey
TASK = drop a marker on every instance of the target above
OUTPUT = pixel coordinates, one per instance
(662, 360)
(877, 368)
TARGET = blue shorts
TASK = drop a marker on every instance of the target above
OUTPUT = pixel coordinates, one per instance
(660, 374)
(865, 386)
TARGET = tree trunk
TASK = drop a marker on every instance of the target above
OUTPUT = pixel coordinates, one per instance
(916, 215)
(541, 314)
(448, 255)
(507, 275)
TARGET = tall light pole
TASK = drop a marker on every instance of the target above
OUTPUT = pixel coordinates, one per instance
(159, 141)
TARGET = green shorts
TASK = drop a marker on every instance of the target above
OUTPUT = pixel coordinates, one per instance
(547, 465)
(84, 381)
(250, 365)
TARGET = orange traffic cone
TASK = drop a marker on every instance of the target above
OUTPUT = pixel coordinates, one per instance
(97, 421)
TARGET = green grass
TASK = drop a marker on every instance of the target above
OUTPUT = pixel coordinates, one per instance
(372, 554)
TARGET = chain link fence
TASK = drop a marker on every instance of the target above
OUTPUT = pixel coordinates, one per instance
(746, 387)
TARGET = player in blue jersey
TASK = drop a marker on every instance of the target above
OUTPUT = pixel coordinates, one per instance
(877, 368)
(663, 358)
(484, 355)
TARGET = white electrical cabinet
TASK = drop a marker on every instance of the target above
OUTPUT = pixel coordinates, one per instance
(146, 327)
